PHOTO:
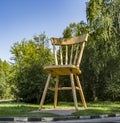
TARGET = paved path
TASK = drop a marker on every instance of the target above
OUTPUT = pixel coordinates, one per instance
(62, 112)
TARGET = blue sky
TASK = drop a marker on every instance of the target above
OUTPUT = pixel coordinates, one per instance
(21, 19)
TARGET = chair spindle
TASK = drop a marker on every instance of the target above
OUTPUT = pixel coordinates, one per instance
(71, 54)
(80, 55)
(55, 55)
(66, 58)
(76, 55)
(61, 56)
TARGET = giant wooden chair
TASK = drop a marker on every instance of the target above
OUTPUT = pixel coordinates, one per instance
(66, 65)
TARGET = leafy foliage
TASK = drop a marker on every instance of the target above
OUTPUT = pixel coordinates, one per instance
(5, 88)
(100, 66)
(105, 42)
(29, 59)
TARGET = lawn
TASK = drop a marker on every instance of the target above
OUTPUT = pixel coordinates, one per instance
(15, 109)
(97, 108)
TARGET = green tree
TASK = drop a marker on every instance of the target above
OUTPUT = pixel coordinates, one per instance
(4, 80)
(75, 29)
(29, 59)
(7, 91)
(103, 19)
(100, 65)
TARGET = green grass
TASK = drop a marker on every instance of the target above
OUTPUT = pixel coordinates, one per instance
(97, 108)
(15, 109)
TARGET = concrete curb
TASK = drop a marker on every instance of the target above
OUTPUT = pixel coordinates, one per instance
(48, 119)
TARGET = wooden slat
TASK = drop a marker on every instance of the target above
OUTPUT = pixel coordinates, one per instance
(66, 57)
(62, 88)
(61, 56)
(69, 41)
(71, 54)
(80, 55)
(55, 55)
(76, 55)
(65, 88)
(62, 69)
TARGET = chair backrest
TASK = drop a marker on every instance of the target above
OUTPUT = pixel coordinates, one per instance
(70, 50)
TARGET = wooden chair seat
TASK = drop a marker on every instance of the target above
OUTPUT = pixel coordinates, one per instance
(62, 69)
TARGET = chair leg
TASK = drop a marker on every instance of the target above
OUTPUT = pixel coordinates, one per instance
(56, 91)
(44, 92)
(74, 91)
(81, 91)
